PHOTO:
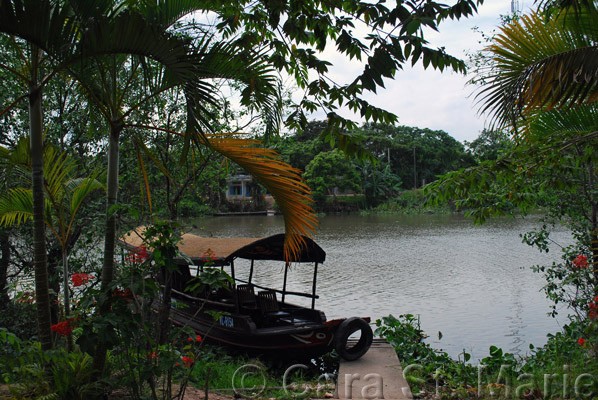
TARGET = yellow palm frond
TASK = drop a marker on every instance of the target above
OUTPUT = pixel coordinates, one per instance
(283, 181)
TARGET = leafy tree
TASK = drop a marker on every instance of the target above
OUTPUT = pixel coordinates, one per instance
(489, 145)
(416, 155)
(379, 183)
(64, 197)
(111, 29)
(546, 62)
(542, 62)
(330, 172)
(296, 34)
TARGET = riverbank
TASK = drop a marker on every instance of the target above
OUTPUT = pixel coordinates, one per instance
(564, 368)
(411, 202)
(408, 202)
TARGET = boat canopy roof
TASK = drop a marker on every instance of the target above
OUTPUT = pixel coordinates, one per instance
(202, 249)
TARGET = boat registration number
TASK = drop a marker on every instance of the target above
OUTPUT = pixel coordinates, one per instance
(227, 321)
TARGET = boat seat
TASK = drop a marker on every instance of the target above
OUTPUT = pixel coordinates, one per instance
(246, 295)
(180, 277)
(269, 308)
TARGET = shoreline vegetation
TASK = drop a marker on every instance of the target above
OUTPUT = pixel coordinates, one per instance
(562, 369)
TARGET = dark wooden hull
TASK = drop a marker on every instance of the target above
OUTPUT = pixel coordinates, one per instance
(296, 338)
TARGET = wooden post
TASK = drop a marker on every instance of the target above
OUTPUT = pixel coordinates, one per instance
(313, 288)
(284, 285)
(250, 272)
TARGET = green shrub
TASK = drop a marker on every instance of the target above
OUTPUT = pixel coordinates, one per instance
(19, 318)
(564, 368)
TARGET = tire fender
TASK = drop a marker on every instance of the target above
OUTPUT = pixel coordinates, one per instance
(345, 330)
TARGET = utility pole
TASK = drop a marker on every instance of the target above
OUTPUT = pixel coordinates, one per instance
(414, 170)
(516, 7)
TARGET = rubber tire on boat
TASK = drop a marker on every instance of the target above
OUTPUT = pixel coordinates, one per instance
(346, 329)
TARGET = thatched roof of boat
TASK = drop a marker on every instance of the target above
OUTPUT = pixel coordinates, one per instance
(202, 249)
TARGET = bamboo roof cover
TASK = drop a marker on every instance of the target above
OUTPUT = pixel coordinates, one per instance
(200, 248)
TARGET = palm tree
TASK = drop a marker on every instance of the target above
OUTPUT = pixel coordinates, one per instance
(542, 62)
(64, 197)
(47, 28)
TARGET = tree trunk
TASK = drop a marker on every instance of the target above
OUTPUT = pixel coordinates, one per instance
(99, 361)
(594, 244)
(164, 313)
(42, 297)
(54, 282)
(111, 198)
(4, 263)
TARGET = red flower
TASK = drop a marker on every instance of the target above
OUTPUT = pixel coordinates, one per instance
(63, 328)
(581, 261)
(138, 256)
(581, 341)
(187, 361)
(197, 339)
(81, 279)
(153, 355)
(209, 256)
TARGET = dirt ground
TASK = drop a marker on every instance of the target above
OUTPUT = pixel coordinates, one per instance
(197, 394)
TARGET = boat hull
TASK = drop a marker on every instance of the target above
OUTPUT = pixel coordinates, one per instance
(296, 339)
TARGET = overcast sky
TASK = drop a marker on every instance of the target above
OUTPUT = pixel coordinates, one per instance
(428, 98)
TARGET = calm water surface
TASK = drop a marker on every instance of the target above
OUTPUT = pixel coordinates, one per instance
(472, 283)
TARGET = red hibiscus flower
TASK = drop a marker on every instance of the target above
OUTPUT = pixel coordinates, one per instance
(581, 341)
(580, 262)
(138, 256)
(187, 361)
(80, 279)
(197, 339)
(63, 328)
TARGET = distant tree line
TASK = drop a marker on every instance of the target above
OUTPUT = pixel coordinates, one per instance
(393, 159)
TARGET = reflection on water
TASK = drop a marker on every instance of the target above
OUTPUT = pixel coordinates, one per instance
(472, 283)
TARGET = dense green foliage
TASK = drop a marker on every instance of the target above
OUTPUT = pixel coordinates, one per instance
(563, 368)
(398, 158)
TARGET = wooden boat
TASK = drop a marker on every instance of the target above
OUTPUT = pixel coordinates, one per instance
(246, 316)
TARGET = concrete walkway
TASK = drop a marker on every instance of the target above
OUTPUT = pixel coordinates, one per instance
(376, 375)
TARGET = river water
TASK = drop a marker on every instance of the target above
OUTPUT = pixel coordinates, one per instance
(472, 283)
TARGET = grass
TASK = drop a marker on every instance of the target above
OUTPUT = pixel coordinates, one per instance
(253, 378)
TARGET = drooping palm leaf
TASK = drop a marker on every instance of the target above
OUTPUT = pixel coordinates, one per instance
(540, 64)
(80, 189)
(280, 179)
(16, 207)
(568, 126)
(57, 168)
